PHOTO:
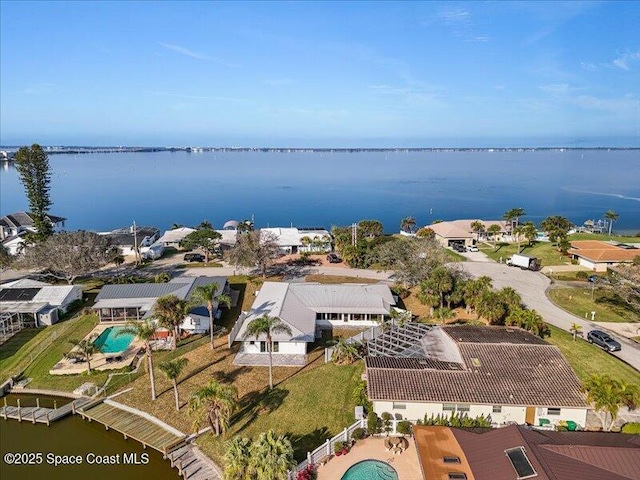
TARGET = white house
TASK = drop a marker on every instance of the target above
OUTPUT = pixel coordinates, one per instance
(131, 302)
(172, 238)
(306, 307)
(294, 240)
(502, 372)
(597, 255)
(460, 231)
(30, 303)
(13, 228)
(127, 238)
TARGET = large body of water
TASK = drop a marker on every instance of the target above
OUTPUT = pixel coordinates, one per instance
(111, 190)
(73, 436)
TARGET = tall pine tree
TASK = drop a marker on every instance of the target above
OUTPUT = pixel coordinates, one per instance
(33, 166)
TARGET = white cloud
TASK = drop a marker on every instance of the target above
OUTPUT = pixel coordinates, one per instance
(623, 61)
(195, 97)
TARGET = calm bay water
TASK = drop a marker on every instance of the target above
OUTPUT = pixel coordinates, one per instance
(74, 436)
(106, 191)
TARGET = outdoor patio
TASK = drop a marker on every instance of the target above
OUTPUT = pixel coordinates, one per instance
(99, 361)
(262, 360)
(406, 464)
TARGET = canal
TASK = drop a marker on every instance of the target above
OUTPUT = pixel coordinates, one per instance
(82, 449)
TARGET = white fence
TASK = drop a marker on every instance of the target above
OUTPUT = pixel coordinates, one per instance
(236, 328)
(327, 449)
(362, 337)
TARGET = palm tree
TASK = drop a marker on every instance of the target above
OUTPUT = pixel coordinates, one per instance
(491, 307)
(514, 214)
(408, 224)
(440, 282)
(172, 369)
(511, 298)
(518, 232)
(345, 352)
(176, 225)
(271, 457)
(214, 403)
(612, 217)
(605, 394)
(170, 312)
(236, 459)
(146, 331)
(443, 314)
(207, 294)
(473, 290)
(84, 350)
(477, 227)
(575, 330)
(493, 231)
(529, 231)
(267, 326)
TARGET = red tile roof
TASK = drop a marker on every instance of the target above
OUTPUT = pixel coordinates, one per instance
(598, 251)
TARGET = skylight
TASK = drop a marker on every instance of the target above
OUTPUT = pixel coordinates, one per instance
(451, 459)
(521, 463)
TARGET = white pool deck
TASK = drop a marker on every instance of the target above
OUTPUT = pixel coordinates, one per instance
(100, 361)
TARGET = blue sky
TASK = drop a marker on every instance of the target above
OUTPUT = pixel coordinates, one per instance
(320, 74)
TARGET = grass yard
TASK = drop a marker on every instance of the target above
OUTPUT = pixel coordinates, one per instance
(311, 403)
(608, 306)
(338, 279)
(604, 237)
(546, 253)
(587, 359)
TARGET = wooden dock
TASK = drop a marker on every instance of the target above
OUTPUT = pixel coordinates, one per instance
(131, 425)
(40, 414)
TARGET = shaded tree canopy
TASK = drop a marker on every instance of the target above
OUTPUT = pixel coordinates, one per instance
(206, 239)
(69, 255)
(370, 228)
(32, 165)
(254, 249)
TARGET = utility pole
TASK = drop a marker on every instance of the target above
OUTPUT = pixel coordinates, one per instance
(135, 243)
(354, 234)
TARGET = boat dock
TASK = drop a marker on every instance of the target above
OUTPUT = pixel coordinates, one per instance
(38, 414)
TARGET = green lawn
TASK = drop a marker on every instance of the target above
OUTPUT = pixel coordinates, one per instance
(608, 306)
(587, 359)
(546, 253)
(308, 407)
(604, 237)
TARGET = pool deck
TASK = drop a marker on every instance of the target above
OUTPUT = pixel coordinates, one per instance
(100, 361)
(406, 464)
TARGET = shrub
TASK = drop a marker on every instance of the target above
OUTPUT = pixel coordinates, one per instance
(400, 290)
(582, 275)
(162, 277)
(373, 423)
(308, 473)
(386, 422)
(404, 427)
(338, 446)
(359, 433)
(359, 396)
(632, 428)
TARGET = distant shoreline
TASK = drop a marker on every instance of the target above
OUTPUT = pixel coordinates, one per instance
(75, 150)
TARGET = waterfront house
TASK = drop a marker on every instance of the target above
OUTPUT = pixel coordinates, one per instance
(172, 238)
(13, 228)
(517, 452)
(505, 373)
(30, 303)
(132, 302)
(460, 231)
(306, 308)
(298, 240)
(127, 238)
(598, 255)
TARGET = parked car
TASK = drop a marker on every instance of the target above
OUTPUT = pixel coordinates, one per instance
(193, 257)
(458, 247)
(333, 258)
(603, 340)
(472, 248)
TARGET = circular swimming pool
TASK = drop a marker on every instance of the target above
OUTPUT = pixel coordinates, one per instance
(371, 470)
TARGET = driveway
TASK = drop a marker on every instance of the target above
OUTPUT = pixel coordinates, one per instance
(532, 288)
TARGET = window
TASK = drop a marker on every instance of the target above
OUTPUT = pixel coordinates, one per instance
(451, 459)
(449, 407)
(463, 407)
(263, 347)
(276, 346)
(457, 476)
(497, 409)
(553, 411)
(456, 407)
(399, 406)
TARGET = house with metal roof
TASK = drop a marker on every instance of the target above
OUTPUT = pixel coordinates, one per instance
(504, 373)
(30, 303)
(305, 308)
(517, 452)
(135, 301)
(127, 238)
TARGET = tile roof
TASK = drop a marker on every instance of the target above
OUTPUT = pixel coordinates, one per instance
(598, 251)
(492, 334)
(553, 455)
(533, 374)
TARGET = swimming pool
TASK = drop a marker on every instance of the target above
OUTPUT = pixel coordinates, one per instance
(110, 342)
(371, 470)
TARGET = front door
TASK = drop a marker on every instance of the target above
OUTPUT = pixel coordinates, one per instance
(530, 415)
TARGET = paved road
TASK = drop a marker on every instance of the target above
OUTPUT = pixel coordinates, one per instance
(532, 288)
